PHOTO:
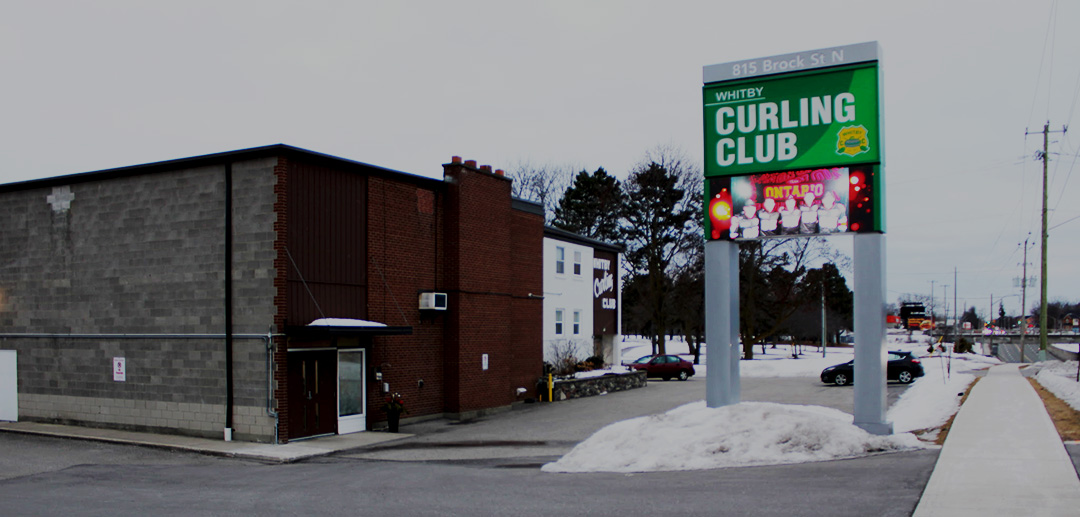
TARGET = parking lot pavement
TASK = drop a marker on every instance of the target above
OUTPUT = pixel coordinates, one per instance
(549, 430)
(528, 432)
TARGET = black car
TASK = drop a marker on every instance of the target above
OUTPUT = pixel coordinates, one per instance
(903, 367)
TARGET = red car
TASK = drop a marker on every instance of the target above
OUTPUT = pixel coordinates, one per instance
(664, 366)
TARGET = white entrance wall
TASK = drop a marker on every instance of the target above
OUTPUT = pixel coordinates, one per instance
(9, 386)
(568, 291)
(352, 399)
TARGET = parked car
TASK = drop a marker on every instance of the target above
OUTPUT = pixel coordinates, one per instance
(664, 366)
(902, 366)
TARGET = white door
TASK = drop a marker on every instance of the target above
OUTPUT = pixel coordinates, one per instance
(352, 399)
(9, 386)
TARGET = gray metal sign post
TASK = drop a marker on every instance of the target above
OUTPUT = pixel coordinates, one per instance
(722, 332)
(870, 353)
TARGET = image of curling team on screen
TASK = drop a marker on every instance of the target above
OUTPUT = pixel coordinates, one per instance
(790, 203)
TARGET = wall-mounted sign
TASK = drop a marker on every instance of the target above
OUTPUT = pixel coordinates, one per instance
(119, 369)
(605, 292)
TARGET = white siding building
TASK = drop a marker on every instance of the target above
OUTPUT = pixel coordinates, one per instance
(582, 297)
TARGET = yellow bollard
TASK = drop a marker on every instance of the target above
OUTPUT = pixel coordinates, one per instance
(550, 386)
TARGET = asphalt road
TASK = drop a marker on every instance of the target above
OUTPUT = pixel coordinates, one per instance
(878, 485)
(484, 467)
(1010, 352)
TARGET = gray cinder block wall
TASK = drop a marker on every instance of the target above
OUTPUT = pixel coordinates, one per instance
(140, 254)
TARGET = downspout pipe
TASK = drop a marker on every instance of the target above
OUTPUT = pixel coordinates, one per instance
(228, 304)
(54, 335)
(268, 340)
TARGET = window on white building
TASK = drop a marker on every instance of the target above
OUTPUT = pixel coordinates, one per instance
(558, 322)
(560, 260)
(577, 263)
(577, 322)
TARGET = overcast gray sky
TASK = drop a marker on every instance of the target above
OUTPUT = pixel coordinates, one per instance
(407, 85)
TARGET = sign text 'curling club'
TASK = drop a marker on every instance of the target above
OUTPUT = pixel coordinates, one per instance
(767, 121)
(604, 283)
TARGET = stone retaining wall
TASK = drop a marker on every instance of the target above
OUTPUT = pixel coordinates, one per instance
(578, 388)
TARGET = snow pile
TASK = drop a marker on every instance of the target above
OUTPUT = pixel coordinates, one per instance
(1068, 347)
(695, 437)
(935, 397)
(929, 402)
(342, 322)
(1060, 379)
(618, 370)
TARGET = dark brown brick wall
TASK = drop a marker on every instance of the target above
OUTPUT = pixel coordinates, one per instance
(527, 233)
(463, 238)
(404, 259)
(490, 285)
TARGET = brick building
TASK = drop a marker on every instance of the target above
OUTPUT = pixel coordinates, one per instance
(180, 296)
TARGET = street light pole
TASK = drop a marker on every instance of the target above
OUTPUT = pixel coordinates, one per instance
(823, 334)
(946, 298)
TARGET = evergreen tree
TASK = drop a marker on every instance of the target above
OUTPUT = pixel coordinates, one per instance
(971, 316)
(592, 206)
(688, 301)
(659, 227)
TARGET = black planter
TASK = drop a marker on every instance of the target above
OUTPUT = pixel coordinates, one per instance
(392, 419)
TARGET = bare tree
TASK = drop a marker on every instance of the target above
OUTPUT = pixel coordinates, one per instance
(770, 272)
(564, 357)
(542, 183)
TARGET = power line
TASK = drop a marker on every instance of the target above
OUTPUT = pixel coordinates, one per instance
(1068, 174)
(1042, 61)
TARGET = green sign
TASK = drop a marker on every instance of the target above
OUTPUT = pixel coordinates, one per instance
(799, 120)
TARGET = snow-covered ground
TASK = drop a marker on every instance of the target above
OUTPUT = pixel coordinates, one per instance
(1060, 379)
(694, 436)
(1068, 347)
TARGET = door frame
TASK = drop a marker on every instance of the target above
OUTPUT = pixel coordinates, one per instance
(356, 422)
(9, 386)
(293, 358)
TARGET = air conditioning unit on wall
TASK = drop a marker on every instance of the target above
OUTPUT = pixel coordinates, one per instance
(433, 301)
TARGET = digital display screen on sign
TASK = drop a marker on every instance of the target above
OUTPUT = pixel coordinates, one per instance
(803, 120)
(795, 203)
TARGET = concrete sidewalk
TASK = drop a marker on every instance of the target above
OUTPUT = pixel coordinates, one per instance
(1003, 456)
(286, 453)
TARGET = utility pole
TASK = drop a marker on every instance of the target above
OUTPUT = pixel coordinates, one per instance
(946, 311)
(1042, 281)
(955, 289)
(823, 333)
(1023, 303)
(933, 320)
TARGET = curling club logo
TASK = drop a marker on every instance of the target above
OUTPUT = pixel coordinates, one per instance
(851, 140)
